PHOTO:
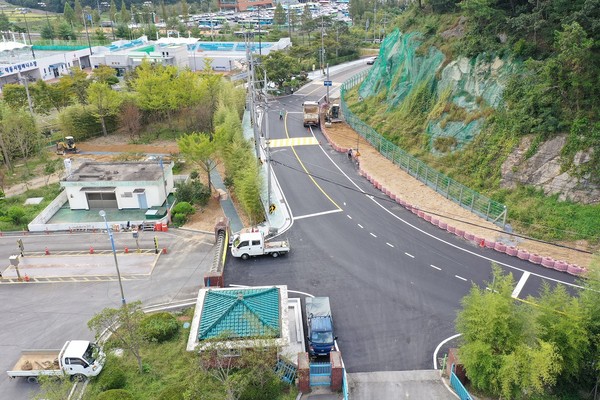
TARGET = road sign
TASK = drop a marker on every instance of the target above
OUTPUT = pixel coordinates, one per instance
(327, 83)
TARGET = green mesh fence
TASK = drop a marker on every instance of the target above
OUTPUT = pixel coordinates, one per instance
(467, 198)
(468, 85)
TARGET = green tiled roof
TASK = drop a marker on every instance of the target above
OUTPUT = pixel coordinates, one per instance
(240, 313)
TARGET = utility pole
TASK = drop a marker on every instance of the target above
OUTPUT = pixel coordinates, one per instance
(267, 142)
(26, 84)
(259, 38)
(87, 34)
(327, 98)
(322, 48)
(289, 20)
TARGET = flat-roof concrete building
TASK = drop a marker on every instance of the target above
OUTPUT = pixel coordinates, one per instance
(118, 185)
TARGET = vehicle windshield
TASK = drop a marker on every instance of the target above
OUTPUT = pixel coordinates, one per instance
(90, 353)
(236, 241)
(322, 338)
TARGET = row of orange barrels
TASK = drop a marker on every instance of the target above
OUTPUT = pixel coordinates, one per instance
(522, 254)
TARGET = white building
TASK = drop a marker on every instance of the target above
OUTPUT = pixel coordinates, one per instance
(118, 185)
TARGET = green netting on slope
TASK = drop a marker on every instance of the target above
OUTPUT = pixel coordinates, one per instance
(473, 83)
(398, 68)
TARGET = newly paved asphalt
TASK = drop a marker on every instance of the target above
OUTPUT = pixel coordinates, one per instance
(395, 282)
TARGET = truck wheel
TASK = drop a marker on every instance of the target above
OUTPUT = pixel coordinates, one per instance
(245, 256)
(32, 379)
(78, 378)
(275, 255)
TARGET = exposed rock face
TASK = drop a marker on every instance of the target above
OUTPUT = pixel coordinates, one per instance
(543, 170)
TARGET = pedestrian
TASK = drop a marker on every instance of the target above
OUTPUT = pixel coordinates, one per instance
(280, 114)
(349, 154)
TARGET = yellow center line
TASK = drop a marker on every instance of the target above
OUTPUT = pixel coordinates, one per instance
(304, 168)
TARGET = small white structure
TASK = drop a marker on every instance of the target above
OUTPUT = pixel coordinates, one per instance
(119, 185)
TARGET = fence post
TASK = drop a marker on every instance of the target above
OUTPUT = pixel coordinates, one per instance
(437, 176)
(487, 214)
(448, 189)
(472, 200)
(460, 196)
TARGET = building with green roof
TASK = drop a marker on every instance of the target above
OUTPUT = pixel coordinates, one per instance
(240, 316)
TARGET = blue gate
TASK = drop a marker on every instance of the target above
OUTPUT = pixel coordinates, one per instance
(320, 374)
(458, 386)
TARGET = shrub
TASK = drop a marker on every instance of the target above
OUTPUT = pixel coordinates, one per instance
(16, 215)
(194, 175)
(112, 378)
(179, 219)
(193, 192)
(184, 208)
(159, 327)
(174, 392)
(115, 394)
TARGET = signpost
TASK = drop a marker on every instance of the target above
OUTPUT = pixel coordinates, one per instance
(327, 83)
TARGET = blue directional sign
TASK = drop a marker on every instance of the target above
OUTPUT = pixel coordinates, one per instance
(326, 83)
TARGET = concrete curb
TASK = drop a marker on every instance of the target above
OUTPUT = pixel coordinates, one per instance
(521, 253)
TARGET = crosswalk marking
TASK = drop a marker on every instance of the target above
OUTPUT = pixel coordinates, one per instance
(301, 141)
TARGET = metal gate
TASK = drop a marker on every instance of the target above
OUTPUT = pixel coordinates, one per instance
(320, 374)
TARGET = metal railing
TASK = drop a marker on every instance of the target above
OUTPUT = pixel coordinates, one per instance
(457, 192)
(345, 391)
(458, 386)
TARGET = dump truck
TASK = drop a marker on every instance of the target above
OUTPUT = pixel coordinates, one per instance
(310, 110)
(321, 338)
(252, 243)
(79, 359)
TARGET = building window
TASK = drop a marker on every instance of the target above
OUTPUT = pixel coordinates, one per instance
(126, 194)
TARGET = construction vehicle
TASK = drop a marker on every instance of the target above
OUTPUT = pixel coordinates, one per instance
(333, 114)
(66, 146)
(310, 111)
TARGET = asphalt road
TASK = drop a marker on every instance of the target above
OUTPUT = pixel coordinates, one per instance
(395, 282)
(45, 315)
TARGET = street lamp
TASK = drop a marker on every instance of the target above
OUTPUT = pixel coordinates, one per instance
(112, 243)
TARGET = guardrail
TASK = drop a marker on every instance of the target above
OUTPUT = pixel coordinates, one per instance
(457, 192)
(458, 386)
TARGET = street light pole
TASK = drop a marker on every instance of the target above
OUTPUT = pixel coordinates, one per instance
(102, 213)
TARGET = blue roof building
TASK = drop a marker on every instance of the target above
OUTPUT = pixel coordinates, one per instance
(240, 316)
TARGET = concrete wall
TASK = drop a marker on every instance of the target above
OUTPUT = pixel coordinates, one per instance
(38, 223)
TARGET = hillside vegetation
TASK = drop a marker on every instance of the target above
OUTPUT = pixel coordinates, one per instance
(550, 95)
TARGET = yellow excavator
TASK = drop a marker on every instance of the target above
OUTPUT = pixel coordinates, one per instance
(66, 146)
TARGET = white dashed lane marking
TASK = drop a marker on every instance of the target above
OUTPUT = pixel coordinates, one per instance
(389, 244)
(372, 234)
(410, 255)
(433, 266)
(360, 226)
(461, 278)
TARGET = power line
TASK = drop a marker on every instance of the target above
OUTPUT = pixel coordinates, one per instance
(446, 216)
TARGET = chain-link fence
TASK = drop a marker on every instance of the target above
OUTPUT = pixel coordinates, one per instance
(467, 198)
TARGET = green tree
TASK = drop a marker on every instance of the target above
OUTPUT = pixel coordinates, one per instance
(54, 388)
(279, 16)
(185, 10)
(124, 15)
(5, 24)
(200, 150)
(308, 23)
(14, 95)
(78, 83)
(153, 84)
(69, 15)
(123, 31)
(105, 74)
(103, 102)
(124, 325)
(65, 32)
(500, 349)
(47, 32)
(100, 35)
(112, 12)
(78, 9)
(163, 12)
(280, 67)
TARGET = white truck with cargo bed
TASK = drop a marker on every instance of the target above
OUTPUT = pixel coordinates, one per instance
(252, 243)
(79, 359)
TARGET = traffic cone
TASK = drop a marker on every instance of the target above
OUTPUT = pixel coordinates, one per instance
(126, 250)
(26, 278)
(91, 250)
(47, 252)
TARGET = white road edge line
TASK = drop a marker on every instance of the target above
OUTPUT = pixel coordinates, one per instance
(460, 277)
(439, 346)
(318, 214)
(389, 244)
(372, 234)
(437, 238)
(519, 287)
(433, 266)
(410, 255)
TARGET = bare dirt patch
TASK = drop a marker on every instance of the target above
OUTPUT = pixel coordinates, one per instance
(418, 194)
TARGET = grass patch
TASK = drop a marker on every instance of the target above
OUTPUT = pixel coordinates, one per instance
(169, 371)
(14, 215)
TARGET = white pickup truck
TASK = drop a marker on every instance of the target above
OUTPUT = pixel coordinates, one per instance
(79, 359)
(251, 244)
